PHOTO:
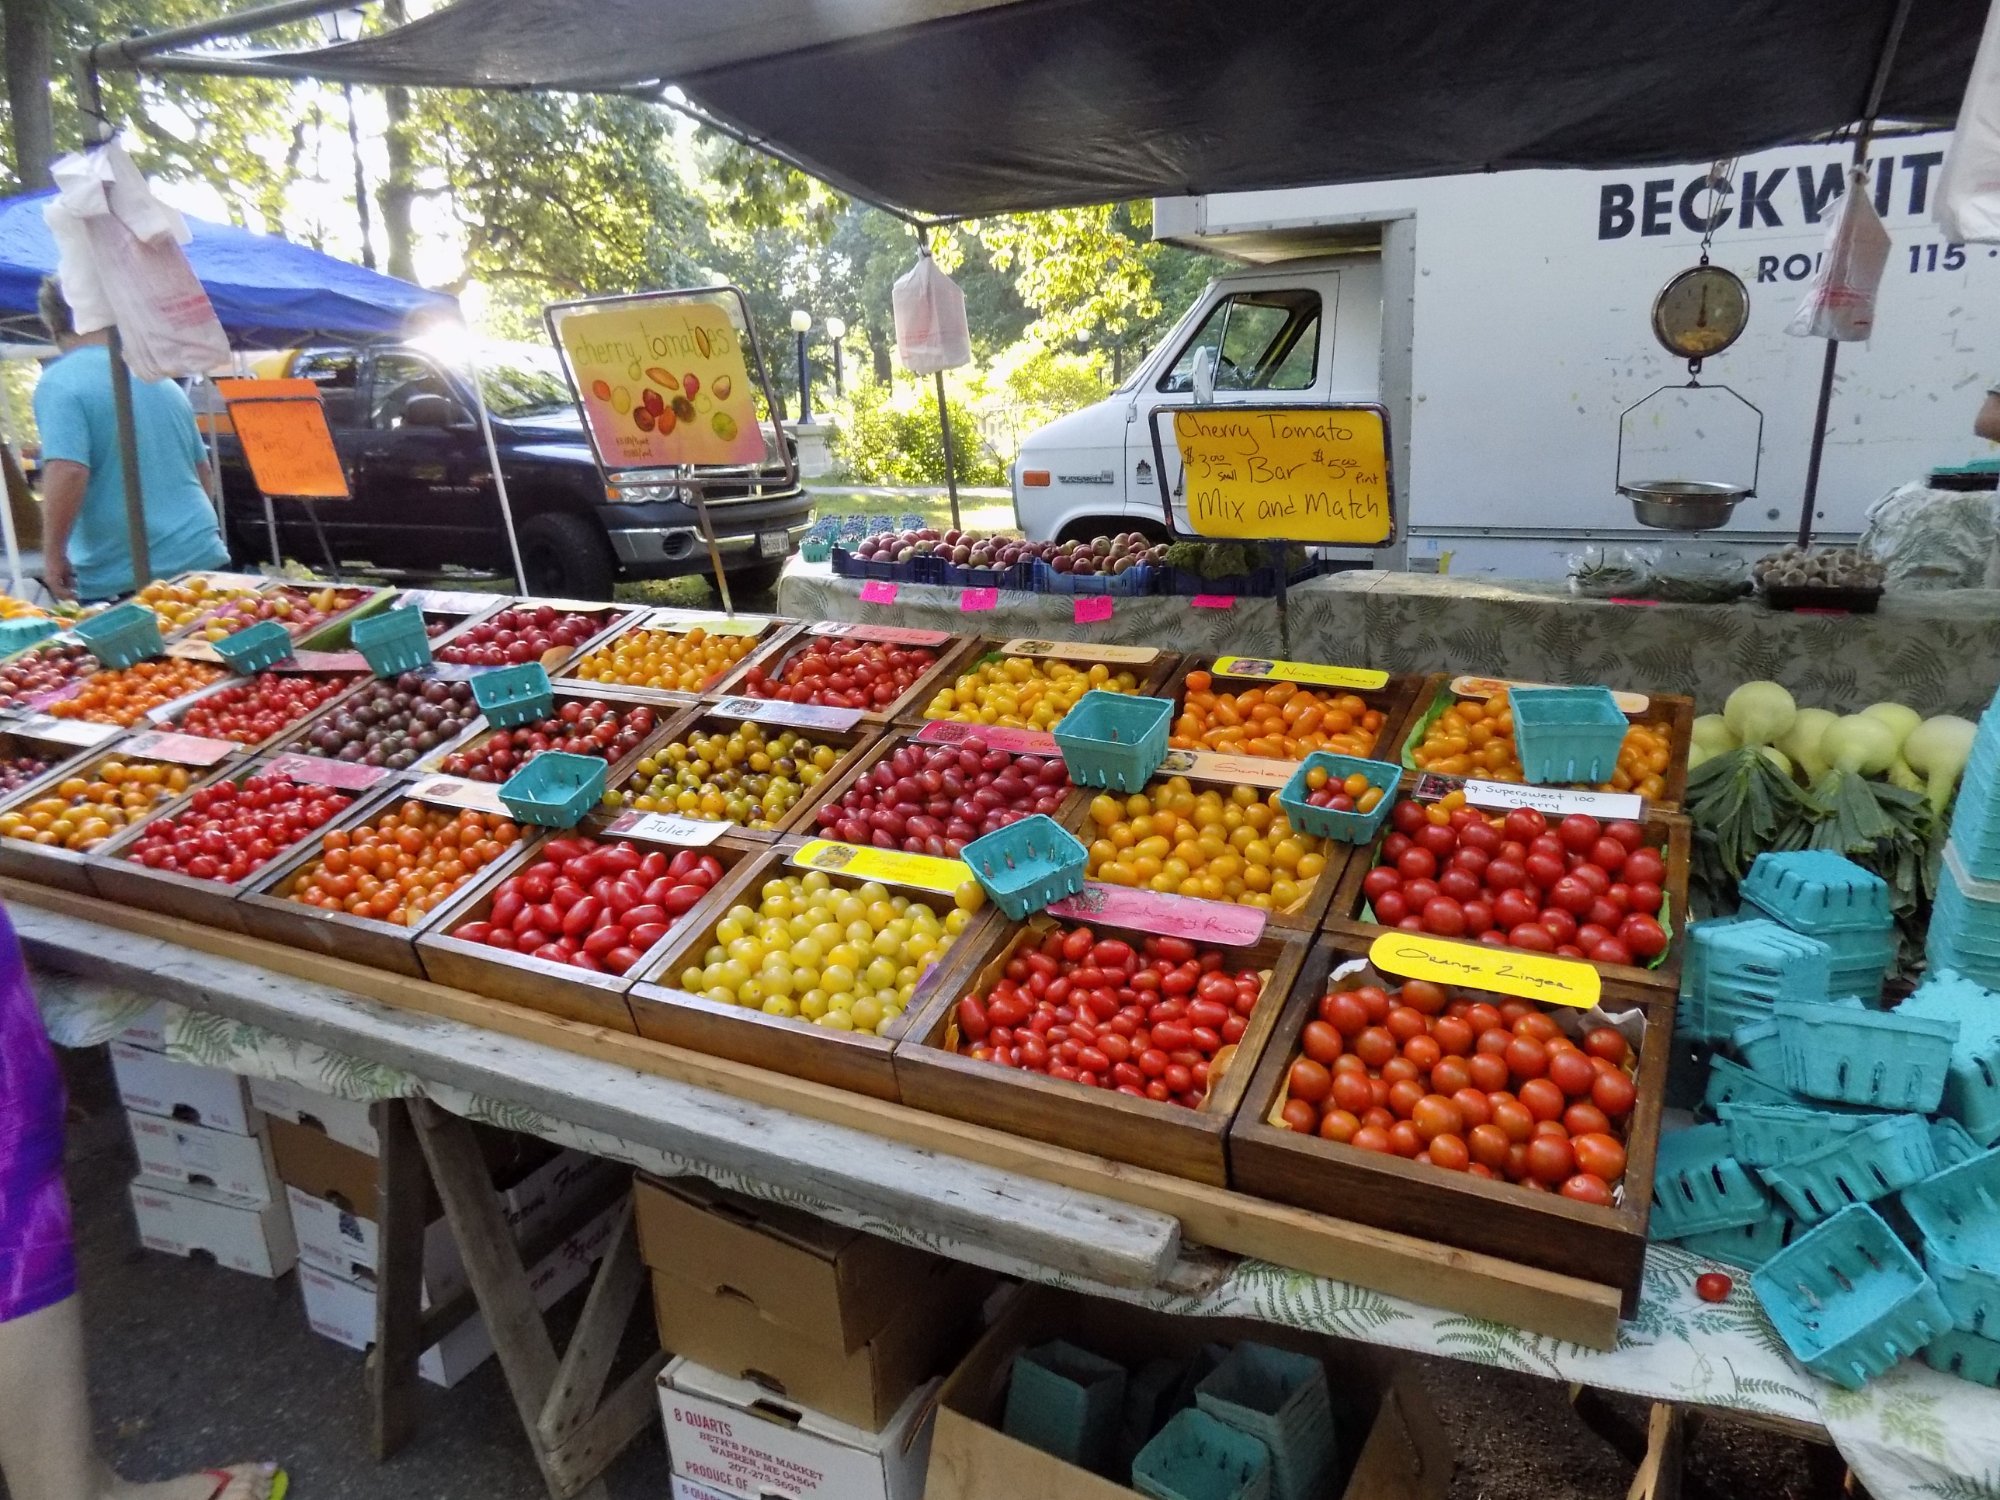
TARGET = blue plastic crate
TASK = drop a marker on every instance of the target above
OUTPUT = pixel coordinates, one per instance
(1848, 1299)
(257, 649)
(1326, 822)
(1884, 1060)
(1747, 1245)
(1733, 971)
(1698, 1186)
(1758, 1046)
(1957, 1211)
(1969, 1356)
(1886, 1155)
(393, 642)
(1027, 864)
(1136, 582)
(1730, 1082)
(1114, 739)
(1817, 892)
(122, 635)
(1195, 1457)
(1769, 1135)
(19, 634)
(927, 568)
(554, 790)
(1972, 1079)
(514, 695)
(1567, 734)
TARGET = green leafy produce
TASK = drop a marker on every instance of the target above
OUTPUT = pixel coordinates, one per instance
(1741, 804)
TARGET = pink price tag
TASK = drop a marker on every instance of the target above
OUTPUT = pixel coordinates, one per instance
(1636, 603)
(994, 737)
(324, 661)
(972, 601)
(1213, 601)
(1221, 922)
(1091, 608)
(878, 591)
(186, 749)
(315, 770)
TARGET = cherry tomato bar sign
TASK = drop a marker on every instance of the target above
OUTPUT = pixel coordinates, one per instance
(1293, 474)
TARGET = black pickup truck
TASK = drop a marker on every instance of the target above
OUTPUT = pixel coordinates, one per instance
(422, 500)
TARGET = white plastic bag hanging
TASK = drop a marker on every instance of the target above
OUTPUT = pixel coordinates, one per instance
(1967, 206)
(121, 262)
(931, 332)
(1840, 302)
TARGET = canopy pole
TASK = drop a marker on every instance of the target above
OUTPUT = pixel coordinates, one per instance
(17, 582)
(121, 377)
(493, 459)
(950, 465)
(1863, 135)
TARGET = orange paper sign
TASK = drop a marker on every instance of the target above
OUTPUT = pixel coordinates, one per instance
(282, 427)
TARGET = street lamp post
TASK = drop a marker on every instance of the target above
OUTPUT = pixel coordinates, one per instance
(801, 325)
(836, 330)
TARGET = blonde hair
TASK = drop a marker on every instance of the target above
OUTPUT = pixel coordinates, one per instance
(54, 309)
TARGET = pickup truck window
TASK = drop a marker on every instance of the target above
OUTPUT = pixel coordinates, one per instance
(396, 378)
(1264, 341)
(337, 374)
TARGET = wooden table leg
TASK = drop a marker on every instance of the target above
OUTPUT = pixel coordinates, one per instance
(1659, 1476)
(399, 1279)
(573, 1436)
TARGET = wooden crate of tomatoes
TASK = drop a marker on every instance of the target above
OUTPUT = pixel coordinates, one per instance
(1473, 1119)
(885, 672)
(1102, 1039)
(1613, 893)
(1464, 726)
(1251, 711)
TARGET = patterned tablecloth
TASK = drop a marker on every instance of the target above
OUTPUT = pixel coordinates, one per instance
(1939, 652)
(1914, 1433)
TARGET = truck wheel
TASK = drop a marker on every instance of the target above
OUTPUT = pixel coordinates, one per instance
(758, 578)
(566, 557)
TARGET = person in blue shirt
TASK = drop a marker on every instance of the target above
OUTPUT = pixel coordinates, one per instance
(86, 546)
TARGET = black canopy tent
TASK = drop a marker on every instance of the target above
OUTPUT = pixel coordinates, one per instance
(965, 107)
(940, 109)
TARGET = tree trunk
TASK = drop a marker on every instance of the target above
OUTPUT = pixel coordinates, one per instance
(399, 186)
(878, 354)
(30, 60)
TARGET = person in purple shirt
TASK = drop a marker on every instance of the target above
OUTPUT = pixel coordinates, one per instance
(46, 1448)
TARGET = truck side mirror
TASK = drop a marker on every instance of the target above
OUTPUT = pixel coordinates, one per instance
(1202, 377)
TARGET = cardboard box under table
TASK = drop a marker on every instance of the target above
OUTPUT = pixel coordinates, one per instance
(346, 1122)
(1388, 1444)
(760, 631)
(773, 719)
(858, 1061)
(541, 984)
(733, 1440)
(170, 1151)
(152, 1083)
(931, 1074)
(1666, 713)
(1149, 667)
(1606, 1245)
(1391, 695)
(776, 656)
(842, 1322)
(1206, 771)
(117, 876)
(187, 1219)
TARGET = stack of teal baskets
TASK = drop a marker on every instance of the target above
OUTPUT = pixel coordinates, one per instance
(1735, 969)
(1965, 922)
(1972, 1076)
(1831, 898)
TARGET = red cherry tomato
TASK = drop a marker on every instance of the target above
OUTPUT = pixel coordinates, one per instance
(1550, 1160)
(1614, 1093)
(1586, 1188)
(1309, 1081)
(1713, 1286)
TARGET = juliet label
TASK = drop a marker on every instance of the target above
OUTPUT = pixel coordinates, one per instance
(668, 828)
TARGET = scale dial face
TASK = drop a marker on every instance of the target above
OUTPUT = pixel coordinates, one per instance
(1701, 312)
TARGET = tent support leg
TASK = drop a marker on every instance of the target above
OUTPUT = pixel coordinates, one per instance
(128, 458)
(950, 463)
(325, 547)
(493, 460)
(271, 529)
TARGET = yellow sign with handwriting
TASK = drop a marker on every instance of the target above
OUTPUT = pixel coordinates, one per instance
(890, 866)
(1505, 971)
(1360, 679)
(1293, 474)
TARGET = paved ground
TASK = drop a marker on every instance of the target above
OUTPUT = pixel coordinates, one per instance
(193, 1365)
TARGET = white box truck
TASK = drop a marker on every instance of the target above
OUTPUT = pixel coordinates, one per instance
(1504, 322)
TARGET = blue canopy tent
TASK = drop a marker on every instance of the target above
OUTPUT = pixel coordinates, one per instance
(267, 292)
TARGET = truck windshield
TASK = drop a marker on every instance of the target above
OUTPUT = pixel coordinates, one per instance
(520, 381)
